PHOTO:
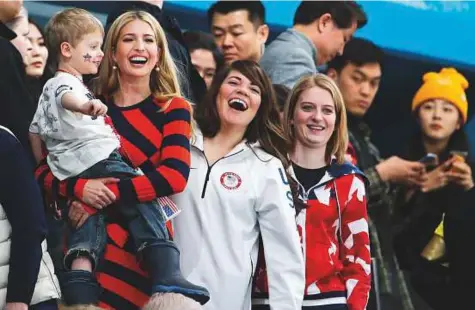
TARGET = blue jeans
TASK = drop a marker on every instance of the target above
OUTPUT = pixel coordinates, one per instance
(146, 223)
(51, 304)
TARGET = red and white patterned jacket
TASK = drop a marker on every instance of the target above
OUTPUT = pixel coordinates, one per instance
(337, 271)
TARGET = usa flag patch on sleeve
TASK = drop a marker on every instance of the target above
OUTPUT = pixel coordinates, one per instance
(169, 209)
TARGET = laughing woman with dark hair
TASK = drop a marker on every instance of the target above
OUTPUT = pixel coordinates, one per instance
(238, 192)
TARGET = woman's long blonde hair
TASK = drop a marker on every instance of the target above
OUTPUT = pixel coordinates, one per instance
(163, 84)
(338, 143)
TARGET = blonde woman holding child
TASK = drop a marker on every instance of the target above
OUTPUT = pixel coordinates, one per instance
(82, 144)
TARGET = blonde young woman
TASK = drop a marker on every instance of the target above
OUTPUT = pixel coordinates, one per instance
(138, 83)
(333, 226)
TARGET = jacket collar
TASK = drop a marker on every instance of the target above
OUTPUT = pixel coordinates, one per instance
(333, 172)
(197, 141)
(338, 170)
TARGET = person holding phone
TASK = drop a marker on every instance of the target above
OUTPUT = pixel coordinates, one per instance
(433, 221)
(430, 160)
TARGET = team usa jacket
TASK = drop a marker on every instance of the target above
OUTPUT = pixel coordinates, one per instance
(227, 206)
(335, 242)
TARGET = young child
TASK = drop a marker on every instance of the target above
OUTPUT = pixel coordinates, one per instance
(80, 143)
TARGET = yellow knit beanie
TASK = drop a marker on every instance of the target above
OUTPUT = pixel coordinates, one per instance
(449, 85)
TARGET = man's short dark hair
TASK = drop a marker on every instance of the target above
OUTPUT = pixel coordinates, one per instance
(344, 13)
(255, 10)
(358, 52)
(195, 40)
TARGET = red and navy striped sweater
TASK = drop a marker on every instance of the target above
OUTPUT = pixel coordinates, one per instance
(158, 142)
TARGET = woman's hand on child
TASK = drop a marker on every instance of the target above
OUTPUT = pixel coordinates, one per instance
(96, 194)
(77, 214)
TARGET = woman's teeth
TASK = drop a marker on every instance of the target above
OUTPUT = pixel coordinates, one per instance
(316, 127)
(238, 104)
(138, 60)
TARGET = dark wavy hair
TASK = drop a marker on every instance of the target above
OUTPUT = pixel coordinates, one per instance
(265, 128)
(195, 40)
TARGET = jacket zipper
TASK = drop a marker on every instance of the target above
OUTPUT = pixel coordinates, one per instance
(208, 172)
(305, 193)
(206, 179)
(314, 187)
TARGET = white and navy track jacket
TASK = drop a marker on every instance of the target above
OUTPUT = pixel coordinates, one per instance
(226, 207)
